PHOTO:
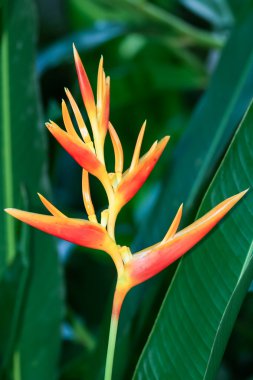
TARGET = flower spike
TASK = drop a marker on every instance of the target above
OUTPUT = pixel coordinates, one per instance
(132, 269)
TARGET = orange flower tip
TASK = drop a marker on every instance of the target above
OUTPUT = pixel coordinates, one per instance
(75, 50)
(174, 225)
(42, 198)
(77, 57)
(180, 210)
(237, 197)
(137, 149)
(49, 126)
(101, 61)
(165, 140)
(142, 130)
(153, 146)
(12, 211)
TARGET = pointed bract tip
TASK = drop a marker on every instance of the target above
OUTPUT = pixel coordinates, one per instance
(11, 211)
(238, 196)
(244, 191)
(165, 139)
(143, 127)
(76, 55)
(74, 48)
(49, 125)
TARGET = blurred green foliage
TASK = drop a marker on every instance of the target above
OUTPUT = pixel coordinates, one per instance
(165, 59)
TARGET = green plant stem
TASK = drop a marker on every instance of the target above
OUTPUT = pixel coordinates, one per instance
(119, 296)
(16, 366)
(6, 130)
(157, 14)
(111, 347)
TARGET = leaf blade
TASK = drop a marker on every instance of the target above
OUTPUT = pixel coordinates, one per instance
(199, 297)
(23, 282)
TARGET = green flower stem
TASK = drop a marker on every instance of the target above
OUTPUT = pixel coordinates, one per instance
(119, 296)
(111, 347)
(157, 14)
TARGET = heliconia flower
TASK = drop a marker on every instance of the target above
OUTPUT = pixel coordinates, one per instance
(134, 268)
(120, 187)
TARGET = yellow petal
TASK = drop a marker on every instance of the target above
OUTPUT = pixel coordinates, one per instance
(137, 148)
(174, 225)
(118, 151)
(87, 196)
(79, 119)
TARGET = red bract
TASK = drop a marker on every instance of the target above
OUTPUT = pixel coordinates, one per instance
(152, 260)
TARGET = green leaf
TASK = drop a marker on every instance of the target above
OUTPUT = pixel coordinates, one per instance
(62, 51)
(216, 12)
(30, 282)
(205, 140)
(210, 283)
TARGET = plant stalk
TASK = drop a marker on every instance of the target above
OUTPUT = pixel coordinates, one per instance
(111, 347)
(119, 295)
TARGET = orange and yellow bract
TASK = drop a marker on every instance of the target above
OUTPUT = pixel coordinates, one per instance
(120, 187)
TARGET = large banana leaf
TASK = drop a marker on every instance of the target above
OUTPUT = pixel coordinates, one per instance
(196, 318)
(210, 130)
(30, 288)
